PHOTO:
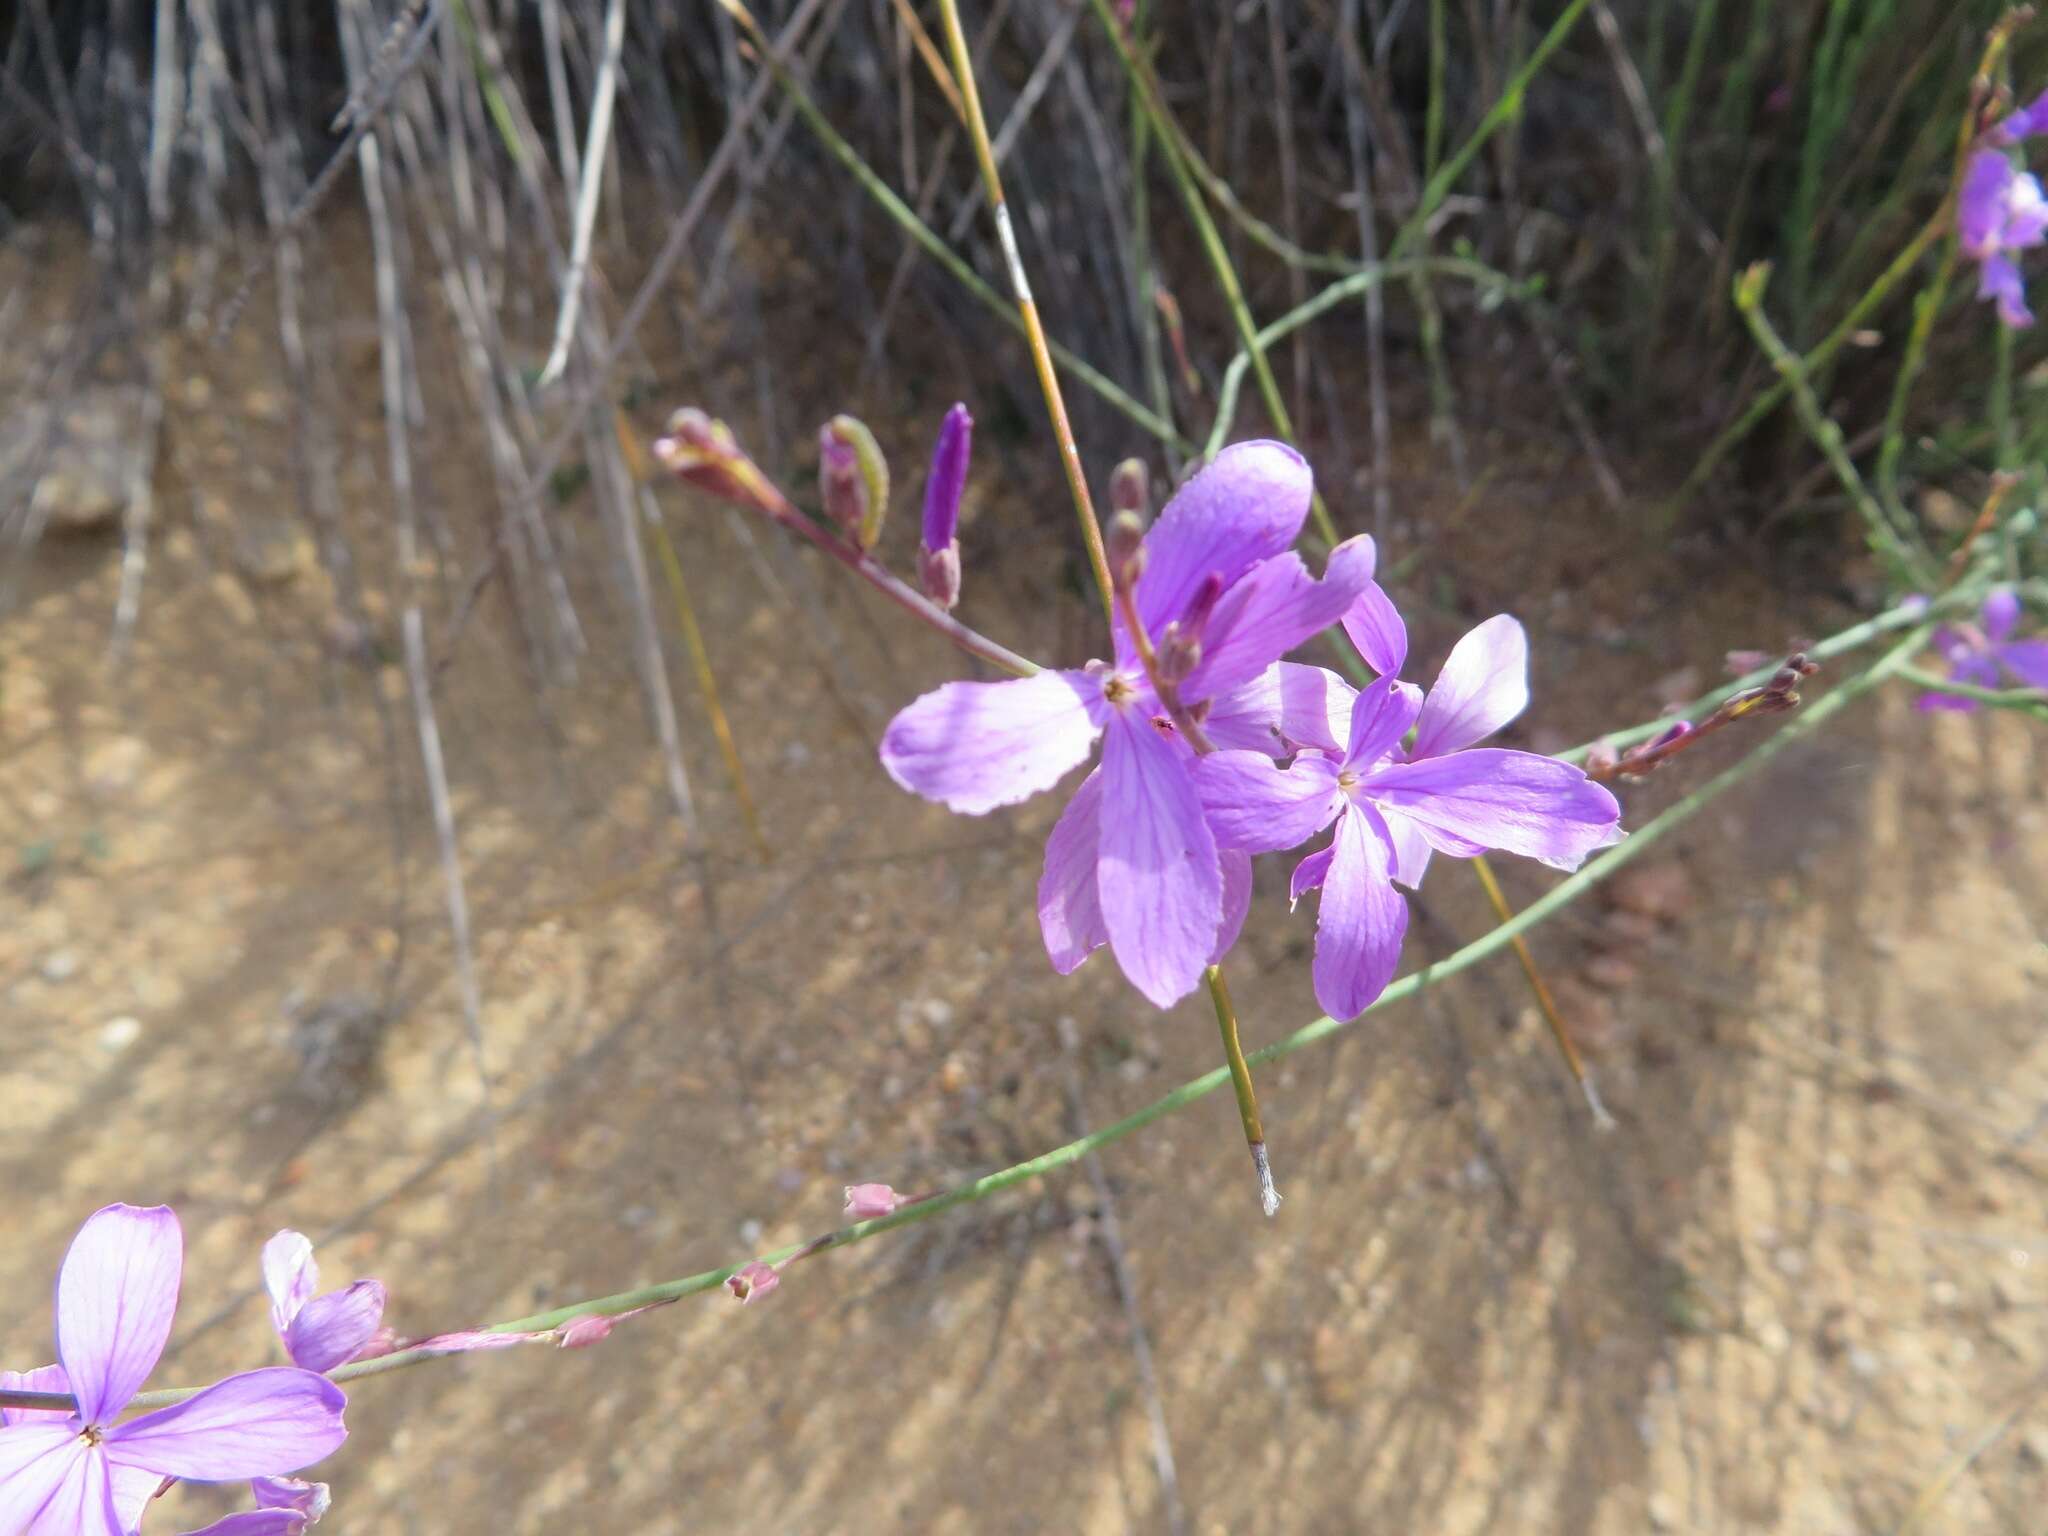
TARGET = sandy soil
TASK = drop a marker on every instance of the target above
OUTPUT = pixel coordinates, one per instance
(1804, 1275)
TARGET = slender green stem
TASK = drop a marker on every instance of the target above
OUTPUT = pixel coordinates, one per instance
(1330, 298)
(1548, 905)
(1909, 562)
(1212, 244)
(1027, 307)
(1502, 112)
(1241, 1081)
(901, 213)
(2032, 701)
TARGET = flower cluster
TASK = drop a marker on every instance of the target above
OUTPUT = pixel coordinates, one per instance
(1214, 749)
(2000, 211)
(89, 1473)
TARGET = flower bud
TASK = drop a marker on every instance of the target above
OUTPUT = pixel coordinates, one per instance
(948, 479)
(704, 453)
(854, 477)
(1601, 758)
(864, 1202)
(1676, 732)
(1130, 488)
(1180, 648)
(1124, 546)
(753, 1281)
(938, 573)
(582, 1332)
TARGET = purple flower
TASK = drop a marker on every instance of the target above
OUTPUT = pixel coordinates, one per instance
(319, 1332)
(2000, 210)
(1975, 653)
(2022, 124)
(83, 1474)
(1393, 809)
(1131, 863)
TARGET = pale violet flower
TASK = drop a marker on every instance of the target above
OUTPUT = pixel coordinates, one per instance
(2000, 210)
(1393, 808)
(318, 1332)
(1978, 653)
(1132, 863)
(90, 1473)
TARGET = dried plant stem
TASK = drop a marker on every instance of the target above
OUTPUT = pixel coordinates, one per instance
(595, 149)
(1027, 308)
(1544, 1001)
(1553, 901)
(700, 663)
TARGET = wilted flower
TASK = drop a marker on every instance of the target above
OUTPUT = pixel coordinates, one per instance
(1394, 808)
(753, 1281)
(1976, 653)
(318, 1332)
(84, 1474)
(1131, 862)
(2000, 210)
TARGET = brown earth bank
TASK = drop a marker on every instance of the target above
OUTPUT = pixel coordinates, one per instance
(1801, 1279)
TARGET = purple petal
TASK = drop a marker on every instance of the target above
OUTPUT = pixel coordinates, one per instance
(1361, 921)
(116, 1295)
(291, 1493)
(257, 1424)
(948, 479)
(1246, 507)
(2026, 215)
(290, 1275)
(1380, 717)
(1484, 685)
(1952, 645)
(1069, 911)
(1287, 706)
(53, 1483)
(1965, 666)
(1980, 204)
(1515, 801)
(1998, 278)
(1237, 900)
(44, 1378)
(2026, 660)
(1411, 848)
(975, 746)
(1309, 874)
(1950, 703)
(2001, 612)
(1274, 608)
(257, 1522)
(1255, 805)
(330, 1329)
(1161, 886)
(1376, 628)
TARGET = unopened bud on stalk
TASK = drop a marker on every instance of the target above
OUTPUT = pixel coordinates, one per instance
(1601, 758)
(855, 479)
(865, 1202)
(582, 1332)
(1676, 732)
(1123, 545)
(1130, 488)
(938, 565)
(703, 452)
(1180, 648)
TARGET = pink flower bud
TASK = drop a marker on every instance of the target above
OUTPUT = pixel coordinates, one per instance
(1130, 488)
(753, 1281)
(854, 477)
(705, 454)
(864, 1202)
(1124, 546)
(582, 1332)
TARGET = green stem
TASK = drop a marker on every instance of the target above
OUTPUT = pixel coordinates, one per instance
(1910, 563)
(1241, 1082)
(2032, 701)
(1560, 896)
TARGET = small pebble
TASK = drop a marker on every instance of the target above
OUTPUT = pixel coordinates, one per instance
(60, 965)
(118, 1034)
(750, 1232)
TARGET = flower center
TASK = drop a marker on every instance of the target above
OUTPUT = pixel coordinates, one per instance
(91, 1434)
(1116, 690)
